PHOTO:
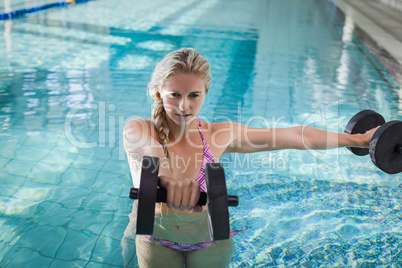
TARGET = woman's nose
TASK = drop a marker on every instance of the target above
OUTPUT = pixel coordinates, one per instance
(183, 104)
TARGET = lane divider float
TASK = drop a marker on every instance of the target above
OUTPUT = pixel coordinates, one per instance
(21, 12)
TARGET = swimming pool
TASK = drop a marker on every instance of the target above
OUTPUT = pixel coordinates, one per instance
(71, 77)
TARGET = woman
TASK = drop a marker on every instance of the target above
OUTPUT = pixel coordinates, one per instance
(184, 145)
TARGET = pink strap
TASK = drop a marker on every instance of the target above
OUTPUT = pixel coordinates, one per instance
(207, 158)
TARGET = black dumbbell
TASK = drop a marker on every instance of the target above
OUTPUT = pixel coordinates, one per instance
(217, 200)
(386, 144)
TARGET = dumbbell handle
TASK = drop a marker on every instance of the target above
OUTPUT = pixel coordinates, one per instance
(233, 200)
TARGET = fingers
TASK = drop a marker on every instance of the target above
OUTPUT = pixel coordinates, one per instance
(186, 195)
(167, 185)
(368, 136)
(373, 130)
(178, 196)
(193, 200)
(190, 194)
(196, 209)
(183, 194)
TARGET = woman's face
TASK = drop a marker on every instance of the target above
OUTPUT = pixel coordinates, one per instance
(183, 95)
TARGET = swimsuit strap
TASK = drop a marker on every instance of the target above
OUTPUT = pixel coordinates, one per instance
(207, 158)
(206, 147)
(190, 247)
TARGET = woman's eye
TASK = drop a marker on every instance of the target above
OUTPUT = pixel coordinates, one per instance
(175, 94)
(194, 95)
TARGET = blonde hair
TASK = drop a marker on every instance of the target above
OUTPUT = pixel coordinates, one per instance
(185, 60)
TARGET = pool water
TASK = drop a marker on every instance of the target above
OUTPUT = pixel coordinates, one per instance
(70, 78)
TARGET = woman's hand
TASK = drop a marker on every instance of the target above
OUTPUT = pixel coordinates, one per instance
(367, 136)
(181, 194)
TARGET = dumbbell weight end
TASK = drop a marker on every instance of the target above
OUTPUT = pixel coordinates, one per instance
(386, 147)
(386, 144)
(360, 123)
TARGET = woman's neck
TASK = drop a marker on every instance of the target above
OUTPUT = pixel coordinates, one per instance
(180, 131)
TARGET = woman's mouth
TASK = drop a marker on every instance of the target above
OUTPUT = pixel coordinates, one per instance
(183, 116)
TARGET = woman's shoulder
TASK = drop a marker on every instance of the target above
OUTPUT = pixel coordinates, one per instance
(222, 131)
(138, 122)
(137, 126)
(220, 127)
(220, 135)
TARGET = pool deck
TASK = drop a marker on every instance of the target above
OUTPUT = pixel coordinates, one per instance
(383, 25)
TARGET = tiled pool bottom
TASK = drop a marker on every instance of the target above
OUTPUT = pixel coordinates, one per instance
(305, 222)
(73, 215)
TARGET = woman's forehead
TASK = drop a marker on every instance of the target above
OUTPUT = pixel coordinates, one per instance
(185, 82)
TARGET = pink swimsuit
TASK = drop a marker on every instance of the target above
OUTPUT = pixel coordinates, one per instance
(208, 158)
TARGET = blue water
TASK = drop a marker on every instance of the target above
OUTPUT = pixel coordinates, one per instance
(71, 77)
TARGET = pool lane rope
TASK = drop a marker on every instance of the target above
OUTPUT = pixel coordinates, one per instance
(21, 12)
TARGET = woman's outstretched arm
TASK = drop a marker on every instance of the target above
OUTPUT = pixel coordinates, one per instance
(248, 139)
